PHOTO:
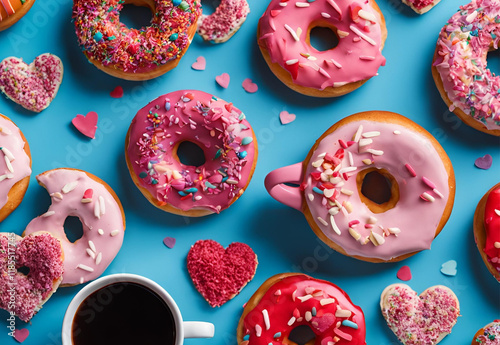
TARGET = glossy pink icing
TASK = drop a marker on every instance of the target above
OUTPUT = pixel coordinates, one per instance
(357, 57)
(462, 48)
(101, 217)
(398, 227)
(217, 127)
(227, 18)
(490, 334)
(301, 300)
(43, 255)
(11, 150)
(492, 228)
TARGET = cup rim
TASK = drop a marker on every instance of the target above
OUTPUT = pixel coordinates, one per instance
(119, 278)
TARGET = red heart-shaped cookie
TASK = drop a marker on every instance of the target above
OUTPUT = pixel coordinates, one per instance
(219, 274)
(87, 125)
(32, 86)
(41, 253)
(417, 320)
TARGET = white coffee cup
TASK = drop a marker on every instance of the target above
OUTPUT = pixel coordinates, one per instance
(183, 329)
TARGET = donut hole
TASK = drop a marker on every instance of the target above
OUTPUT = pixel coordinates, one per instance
(209, 6)
(190, 154)
(136, 14)
(493, 60)
(73, 229)
(322, 36)
(302, 335)
(24, 270)
(378, 189)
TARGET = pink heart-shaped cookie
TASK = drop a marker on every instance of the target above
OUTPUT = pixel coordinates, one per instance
(42, 254)
(200, 64)
(249, 86)
(219, 274)
(87, 125)
(21, 334)
(223, 80)
(417, 320)
(32, 86)
(286, 117)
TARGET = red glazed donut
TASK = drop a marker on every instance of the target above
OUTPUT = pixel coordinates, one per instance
(13, 10)
(286, 301)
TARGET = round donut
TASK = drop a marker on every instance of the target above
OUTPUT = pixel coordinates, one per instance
(13, 10)
(487, 230)
(365, 184)
(217, 127)
(488, 335)
(289, 300)
(83, 195)
(221, 25)
(15, 166)
(135, 54)
(43, 255)
(284, 40)
(460, 68)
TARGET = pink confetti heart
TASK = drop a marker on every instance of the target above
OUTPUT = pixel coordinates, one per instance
(484, 162)
(249, 86)
(404, 273)
(406, 313)
(219, 274)
(117, 92)
(223, 80)
(87, 125)
(200, 64)
(21, 334)
(32, 86)
(169, 242)
(286, 117)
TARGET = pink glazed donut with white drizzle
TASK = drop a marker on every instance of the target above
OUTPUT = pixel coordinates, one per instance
(284, 40)
(80, 194)
(366, 183)
(15, 166)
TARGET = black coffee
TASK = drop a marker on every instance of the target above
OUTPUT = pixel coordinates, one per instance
(123, 313)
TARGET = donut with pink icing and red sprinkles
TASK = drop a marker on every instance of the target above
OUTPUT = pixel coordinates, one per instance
(488, 335)
(135, 54)
(221, 25)
(460, 68)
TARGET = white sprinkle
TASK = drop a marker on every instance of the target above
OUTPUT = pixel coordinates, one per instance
(322, 155)
(310, 196)
(346, 192)
(343, 313)
(326, 301)
(85, 268)
(292, 61)
(3, 177)
(325, 15)
(114, 233)
(334, 225)
(9, 165)
(470, 18)
(496, 245)
(340, 83)
(375, 152)
(351, 159)
(365, 142)
(272, 25)
(48, 214)
(357, 136)
(292, 32)
(328, 193)
(304, 298)
(333, 211)
(335, 6)
(354, 234)
(301, 4)
(338, 65)
(8, 154)
(377, 239)
(231, 181)
(5, 131)
(427, 197)
(362, 35)
(438, 193)
(371, 134)
(394, 231)
(258, 330)
(266, 319)
(69, 187)
(342, 34)
(308, 316)
(102, 205)
(347, 169)
(97, 210)
(98, 258)
(372, 220)
(92, 246)
(198, 197)
(291, 321)
(367, 15)
(397, 132)
(100, 231)
(90, 253)
(317, 163)
(57, 196)
(322, 221)
(283, 4)
(81, 280)
(497, 212)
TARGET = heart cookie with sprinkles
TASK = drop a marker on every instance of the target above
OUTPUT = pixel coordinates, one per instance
(423, 319)
(32, 86)
(219, 274)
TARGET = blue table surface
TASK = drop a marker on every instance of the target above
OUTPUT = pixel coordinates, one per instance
(279, 235)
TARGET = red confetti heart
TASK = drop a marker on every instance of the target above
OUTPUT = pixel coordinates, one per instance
(249, 86)
(404, 273)
(200, 64)
(87, 125)
(219, 274)
(21, 334)
(223, 80)
(117, 92)
(169, 242)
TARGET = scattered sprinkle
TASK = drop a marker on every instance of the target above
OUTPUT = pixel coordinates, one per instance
(404, 273)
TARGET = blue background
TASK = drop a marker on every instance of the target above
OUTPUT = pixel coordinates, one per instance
(279, 235)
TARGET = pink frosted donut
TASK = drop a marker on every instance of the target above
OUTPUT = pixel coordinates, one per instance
(460, 68)
(135, 54)
(224, 22)
(217, 127)
(15, 166)
(20, 294)
(81, 194)
(284, 32)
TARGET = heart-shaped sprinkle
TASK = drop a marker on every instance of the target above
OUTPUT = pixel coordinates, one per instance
(404, 273)
(449, 268)
(484, 162)
(200, 64)
(87, 125)
(32, 86)
(117, 92)
(21, 334)
(223, 80)
(286, 117)
(424, 319)
(249, 86)
(169, 242)
(219, 274)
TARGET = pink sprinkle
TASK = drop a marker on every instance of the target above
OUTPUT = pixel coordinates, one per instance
(428, 182)
(353, 222)
(117, 92)
(343, 144)
(410, 170)
(296, 313)
(368, 226)
(404, 273)
(343, 335)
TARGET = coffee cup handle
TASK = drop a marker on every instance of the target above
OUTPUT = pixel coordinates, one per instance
(288, 195)
(198, 329)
